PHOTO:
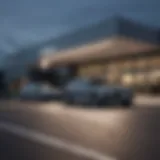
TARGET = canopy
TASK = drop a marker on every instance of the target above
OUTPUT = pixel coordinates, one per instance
(102, 49)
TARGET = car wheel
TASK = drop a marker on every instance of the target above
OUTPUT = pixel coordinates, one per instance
(69, 100)
(126, 103)
(92, 100)
(104, 102)
(101, 102)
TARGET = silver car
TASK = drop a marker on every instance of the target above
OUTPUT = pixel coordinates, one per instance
(86, 92)
(38, 91)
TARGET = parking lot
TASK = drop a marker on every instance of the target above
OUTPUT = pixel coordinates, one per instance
(139, 101)
(54, 128)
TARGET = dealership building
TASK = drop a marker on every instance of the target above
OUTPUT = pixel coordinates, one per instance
(120, 51)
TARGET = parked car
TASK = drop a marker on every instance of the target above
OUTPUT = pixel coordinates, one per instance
(38, 91)
(87, 92)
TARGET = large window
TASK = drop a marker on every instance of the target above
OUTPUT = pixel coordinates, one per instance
(96, 69)
(140, 78)
(83, 71)
(92, 70)
(140, 71)
(127, 79)
(154, 62)
(154, 76)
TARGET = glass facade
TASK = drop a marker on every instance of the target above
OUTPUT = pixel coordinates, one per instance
(140, 72)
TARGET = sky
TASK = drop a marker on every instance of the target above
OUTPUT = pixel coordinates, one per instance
(24, 22)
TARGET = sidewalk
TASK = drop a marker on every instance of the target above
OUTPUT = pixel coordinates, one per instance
(147, 100)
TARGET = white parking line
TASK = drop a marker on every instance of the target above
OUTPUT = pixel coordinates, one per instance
(53, 141)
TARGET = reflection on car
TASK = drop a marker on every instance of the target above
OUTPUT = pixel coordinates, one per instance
(38, 91)
(88, 92)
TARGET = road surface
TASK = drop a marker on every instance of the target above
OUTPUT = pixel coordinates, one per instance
(54, 132)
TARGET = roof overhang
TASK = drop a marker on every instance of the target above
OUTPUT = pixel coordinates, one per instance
(116, 46)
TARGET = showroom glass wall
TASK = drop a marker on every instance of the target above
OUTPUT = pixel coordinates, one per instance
(141, 72)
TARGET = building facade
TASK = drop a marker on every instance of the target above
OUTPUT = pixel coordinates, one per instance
(118, 50)
(141, 72)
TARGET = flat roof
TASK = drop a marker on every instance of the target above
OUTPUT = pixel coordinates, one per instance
(116, 46)
(112, 37)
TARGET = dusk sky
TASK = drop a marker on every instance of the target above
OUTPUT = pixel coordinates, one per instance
(26, 21)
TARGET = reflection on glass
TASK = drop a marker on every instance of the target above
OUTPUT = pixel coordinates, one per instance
(127, 79)
(154, 76)
(154, 62)
(140, 78)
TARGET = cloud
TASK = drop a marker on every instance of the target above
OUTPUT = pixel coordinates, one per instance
(31, 21)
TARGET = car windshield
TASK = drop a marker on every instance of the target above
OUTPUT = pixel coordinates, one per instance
(79, 83)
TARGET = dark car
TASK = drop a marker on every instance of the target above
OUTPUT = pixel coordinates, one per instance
(87, 92)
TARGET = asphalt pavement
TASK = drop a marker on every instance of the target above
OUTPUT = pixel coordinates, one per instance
(56, 132)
